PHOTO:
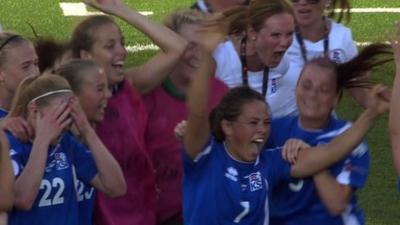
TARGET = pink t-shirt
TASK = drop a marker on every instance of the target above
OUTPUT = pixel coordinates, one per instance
(165, 111)
(122, 131)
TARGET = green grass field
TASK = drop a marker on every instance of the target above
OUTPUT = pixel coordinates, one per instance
(380, 198)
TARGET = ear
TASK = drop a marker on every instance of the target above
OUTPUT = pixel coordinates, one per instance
(226, 127)
(251, 33)
(83, 54)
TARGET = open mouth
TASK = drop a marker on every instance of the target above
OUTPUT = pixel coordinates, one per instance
(118, 66)
(259, 142)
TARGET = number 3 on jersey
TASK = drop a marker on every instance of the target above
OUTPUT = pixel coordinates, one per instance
(296, 187)
(56, 183)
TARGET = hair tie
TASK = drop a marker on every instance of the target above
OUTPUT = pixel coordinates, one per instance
(8, 40)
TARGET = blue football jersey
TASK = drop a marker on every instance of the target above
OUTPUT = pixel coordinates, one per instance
(3, 113)
(56, 202)
(297, 201)
(218, 189)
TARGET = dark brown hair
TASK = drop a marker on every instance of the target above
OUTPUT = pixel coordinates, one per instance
(49, 51)
(344, 10)
(352, 73)
(83, 35)
(230, 108)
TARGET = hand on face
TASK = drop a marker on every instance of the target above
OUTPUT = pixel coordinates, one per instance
(291, 148)
(51, 123)
(78, 116)
(107, 6)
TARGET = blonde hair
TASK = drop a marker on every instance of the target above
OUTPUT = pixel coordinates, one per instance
(34, 86)
(177, 19)
(8, 41)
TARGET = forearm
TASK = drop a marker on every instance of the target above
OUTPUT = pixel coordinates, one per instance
(198, 130)
(313, 160)
(335, 196)
(109, 171)
(394, 120)
(6, 177)
(27, 185)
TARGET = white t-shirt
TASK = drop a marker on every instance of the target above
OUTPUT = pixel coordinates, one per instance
(229, 70)
(341, 46)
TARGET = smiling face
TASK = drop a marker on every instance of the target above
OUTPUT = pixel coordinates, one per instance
(94, 94)
(308, 13)
(316, 95)
(108, 50)
(246, 135)
(21, 62)
(274, 38)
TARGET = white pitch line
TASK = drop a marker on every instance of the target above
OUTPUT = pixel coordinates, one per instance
(373, 10)
(140, 47)
(79, 9)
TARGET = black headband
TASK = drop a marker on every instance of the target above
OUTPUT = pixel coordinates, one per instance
(8, 40)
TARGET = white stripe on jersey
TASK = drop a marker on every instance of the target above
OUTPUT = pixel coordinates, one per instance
(348, 218)
(344, 176)
(266, 206)
(335, 133)
(205, 152)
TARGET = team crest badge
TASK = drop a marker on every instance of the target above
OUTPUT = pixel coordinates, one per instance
(255, 181)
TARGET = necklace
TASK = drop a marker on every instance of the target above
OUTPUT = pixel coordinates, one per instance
(300, 40)
(243, 60)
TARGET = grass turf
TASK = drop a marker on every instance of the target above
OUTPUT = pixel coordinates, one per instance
(379, 199)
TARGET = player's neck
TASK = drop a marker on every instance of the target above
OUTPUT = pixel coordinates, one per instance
(312, 123)
(314, 31)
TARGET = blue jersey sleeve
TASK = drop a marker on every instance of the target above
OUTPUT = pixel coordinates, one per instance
(201, 158)
(83, 162)
(278, 170)
(355, 168)
(17, 154)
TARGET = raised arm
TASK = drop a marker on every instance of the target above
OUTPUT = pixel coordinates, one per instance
(394, 121)
(153, 72)
(320, 157)
(198, 130)
(6, 176)
(109, 179)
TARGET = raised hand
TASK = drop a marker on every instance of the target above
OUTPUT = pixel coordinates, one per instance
(180, 129)
(291, 148)
(79, 117)
(52, 123)
(211, 33)
(107, 6)
(377, 100)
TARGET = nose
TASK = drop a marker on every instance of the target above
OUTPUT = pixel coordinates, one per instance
(286, 41)
(121, 50)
